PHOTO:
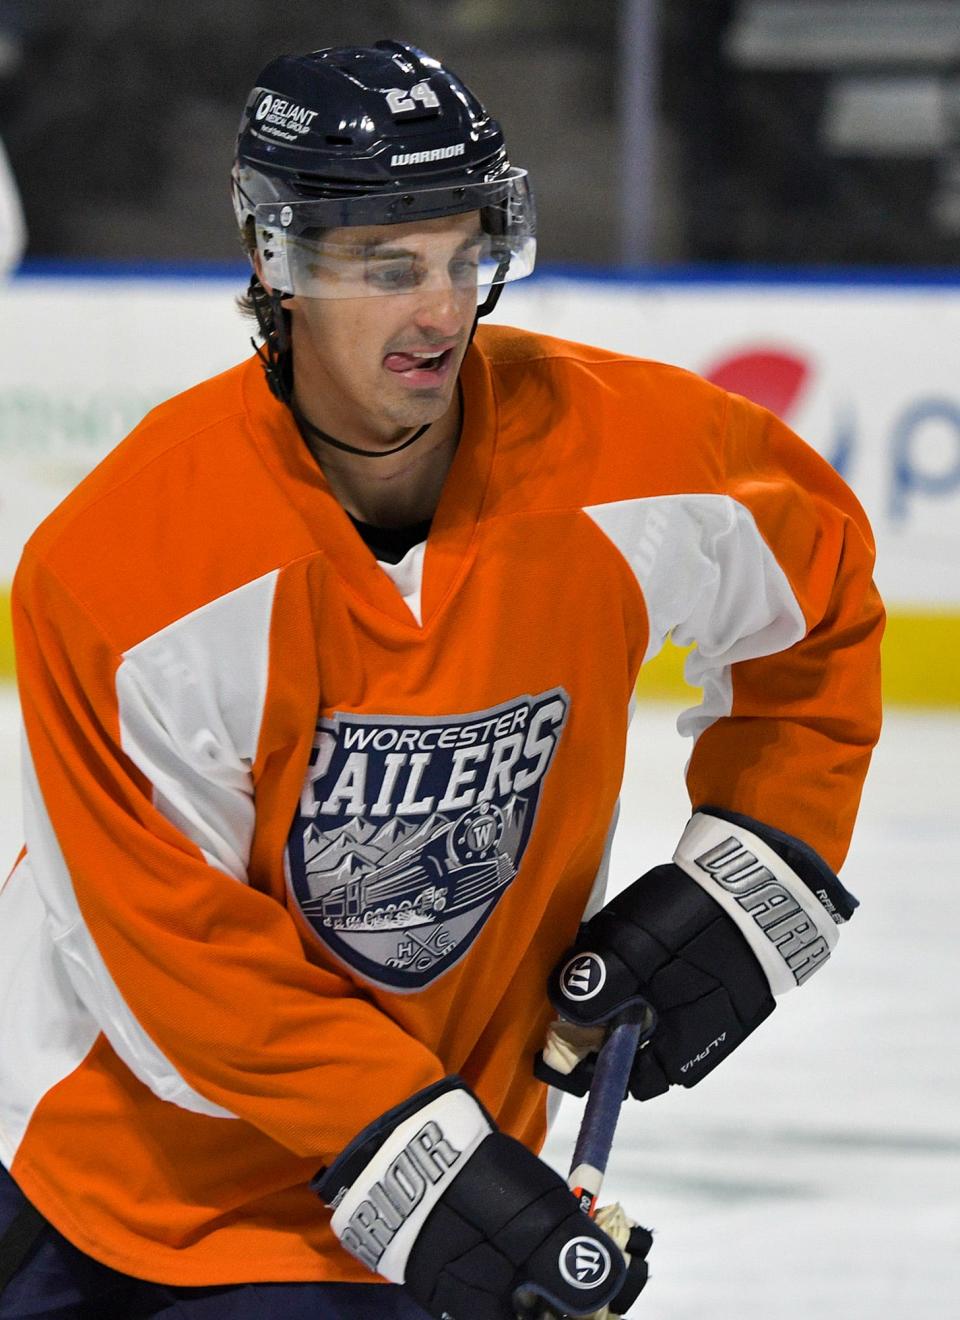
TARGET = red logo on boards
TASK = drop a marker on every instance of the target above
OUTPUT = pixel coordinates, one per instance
(776, 380)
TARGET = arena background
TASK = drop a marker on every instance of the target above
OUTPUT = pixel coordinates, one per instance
(767, 192)
(764, 191)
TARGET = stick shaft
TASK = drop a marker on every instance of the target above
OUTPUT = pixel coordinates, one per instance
(599, 1122)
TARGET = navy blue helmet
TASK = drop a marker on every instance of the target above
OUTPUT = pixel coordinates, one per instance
(343, 138)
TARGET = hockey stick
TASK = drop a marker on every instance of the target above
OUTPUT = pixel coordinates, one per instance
(591, 1152)
(607, 1088)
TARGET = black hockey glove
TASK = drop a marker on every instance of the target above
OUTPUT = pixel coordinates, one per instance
(476, 1227)
(743, 913)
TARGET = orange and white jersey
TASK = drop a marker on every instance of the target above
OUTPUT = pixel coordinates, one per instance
(305, 833)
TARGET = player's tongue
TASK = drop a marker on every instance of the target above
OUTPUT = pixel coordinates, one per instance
(411, 361)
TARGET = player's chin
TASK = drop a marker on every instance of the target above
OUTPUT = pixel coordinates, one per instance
(421, 397)
(422, 412)
(427, 403)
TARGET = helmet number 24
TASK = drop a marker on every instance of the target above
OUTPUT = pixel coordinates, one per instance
(399, 99)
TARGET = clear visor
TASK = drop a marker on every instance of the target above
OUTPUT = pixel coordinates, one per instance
(463, 238)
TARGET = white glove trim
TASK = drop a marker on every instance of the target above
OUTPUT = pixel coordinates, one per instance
(787, 927)
(379, 1217)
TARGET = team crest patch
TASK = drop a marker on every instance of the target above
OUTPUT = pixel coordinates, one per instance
(410, 831)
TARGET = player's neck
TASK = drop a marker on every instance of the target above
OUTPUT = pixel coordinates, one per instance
(392, 490)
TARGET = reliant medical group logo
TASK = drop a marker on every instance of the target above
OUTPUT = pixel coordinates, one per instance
(411, 830)
(283, 119)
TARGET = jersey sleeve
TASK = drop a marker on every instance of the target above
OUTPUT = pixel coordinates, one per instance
(787, 625)
(137, 838)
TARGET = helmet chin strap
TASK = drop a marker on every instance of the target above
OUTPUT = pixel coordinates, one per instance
(305, 424)
(277, 359)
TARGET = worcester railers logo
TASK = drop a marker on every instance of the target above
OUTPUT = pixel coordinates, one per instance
(410, 830)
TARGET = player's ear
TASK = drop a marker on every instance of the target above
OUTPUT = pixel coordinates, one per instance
(258, 267)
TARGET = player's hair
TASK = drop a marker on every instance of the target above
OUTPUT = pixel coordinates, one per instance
(244, 301)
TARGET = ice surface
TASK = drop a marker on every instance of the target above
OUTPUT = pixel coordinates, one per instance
(817, 1173)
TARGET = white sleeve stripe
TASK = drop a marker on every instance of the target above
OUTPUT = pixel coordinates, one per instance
(84, 966)
(707, 576)
(45, 1032)
(787, 927)
(191, 701)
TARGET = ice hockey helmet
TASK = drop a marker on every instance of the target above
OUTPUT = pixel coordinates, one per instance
(344, 137)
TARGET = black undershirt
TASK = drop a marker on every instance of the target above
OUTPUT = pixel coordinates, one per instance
(390, 544)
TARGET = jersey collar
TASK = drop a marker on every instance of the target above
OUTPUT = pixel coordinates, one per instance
(452, 542)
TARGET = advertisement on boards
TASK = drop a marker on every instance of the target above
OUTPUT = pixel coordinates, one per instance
(866, 372)
(868, 375)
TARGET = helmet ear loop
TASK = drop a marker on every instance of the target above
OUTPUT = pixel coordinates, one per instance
(493, 221)
(273, 321)
(493, 295)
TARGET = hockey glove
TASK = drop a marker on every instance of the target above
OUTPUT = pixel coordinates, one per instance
(743, 913)
(476, 1227)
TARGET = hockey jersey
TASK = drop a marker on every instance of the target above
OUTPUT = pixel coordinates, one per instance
(303, 837)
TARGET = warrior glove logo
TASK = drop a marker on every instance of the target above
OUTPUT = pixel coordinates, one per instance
(389, 1202)
(583, 976)
(411, 830)
(769, 904)
(585, 1262)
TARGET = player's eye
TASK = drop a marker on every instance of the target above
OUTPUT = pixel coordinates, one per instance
(394, 276)
(463, 270)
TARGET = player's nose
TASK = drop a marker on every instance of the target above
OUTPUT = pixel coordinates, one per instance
(441, 311)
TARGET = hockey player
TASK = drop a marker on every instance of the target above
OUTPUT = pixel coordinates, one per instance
(325, 676)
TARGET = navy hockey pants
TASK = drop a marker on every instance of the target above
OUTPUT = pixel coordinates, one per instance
(56, 1281)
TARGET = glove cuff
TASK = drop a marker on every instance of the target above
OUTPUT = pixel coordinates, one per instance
(790, 926)
(388, 1180)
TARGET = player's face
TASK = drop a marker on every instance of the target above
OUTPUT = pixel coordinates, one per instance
(383, 353)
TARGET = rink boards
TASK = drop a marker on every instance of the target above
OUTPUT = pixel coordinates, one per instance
(863, 368)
